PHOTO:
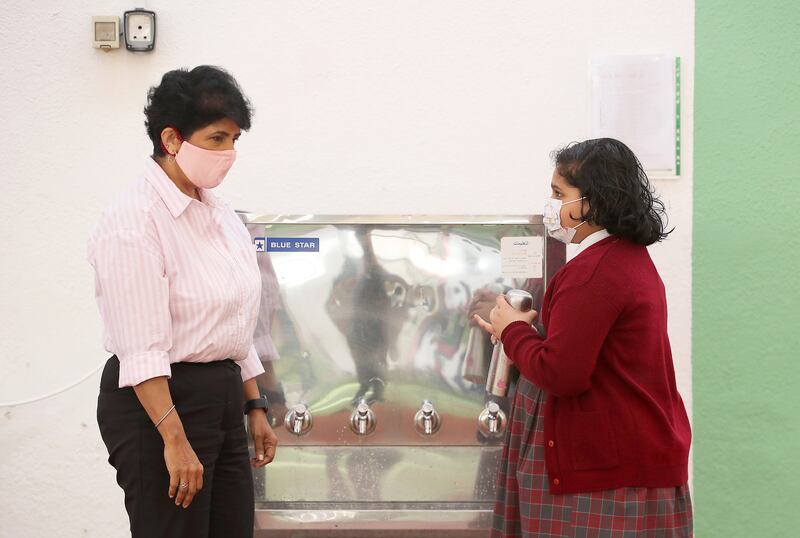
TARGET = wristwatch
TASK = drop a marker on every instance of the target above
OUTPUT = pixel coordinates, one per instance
(258, 403)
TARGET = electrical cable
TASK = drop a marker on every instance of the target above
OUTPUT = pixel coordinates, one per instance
(53, 393)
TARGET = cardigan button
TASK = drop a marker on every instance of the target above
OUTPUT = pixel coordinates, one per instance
(556, 481)
(551, 443)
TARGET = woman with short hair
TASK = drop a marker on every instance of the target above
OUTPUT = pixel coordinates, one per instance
(178, 289)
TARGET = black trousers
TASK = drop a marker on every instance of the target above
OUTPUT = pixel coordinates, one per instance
(209, 399)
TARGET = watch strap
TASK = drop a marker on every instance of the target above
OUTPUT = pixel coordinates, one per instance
(258, 403)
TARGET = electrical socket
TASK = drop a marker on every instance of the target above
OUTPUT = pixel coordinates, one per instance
(140, 30)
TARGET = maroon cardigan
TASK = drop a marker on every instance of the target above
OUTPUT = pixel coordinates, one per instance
(614, 416)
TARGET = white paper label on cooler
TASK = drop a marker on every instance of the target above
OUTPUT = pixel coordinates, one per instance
(522, 257)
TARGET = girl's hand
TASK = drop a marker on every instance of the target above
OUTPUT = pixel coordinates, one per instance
(503, 315)
(264, 439)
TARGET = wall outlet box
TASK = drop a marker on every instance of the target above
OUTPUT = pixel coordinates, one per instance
(140, 30)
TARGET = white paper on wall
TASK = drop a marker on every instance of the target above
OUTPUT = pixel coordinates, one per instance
(522, 257)
(633, 100)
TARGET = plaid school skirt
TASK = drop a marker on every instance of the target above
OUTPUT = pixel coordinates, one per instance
(525, 508)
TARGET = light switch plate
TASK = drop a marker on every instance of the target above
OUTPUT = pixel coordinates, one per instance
(105, 32)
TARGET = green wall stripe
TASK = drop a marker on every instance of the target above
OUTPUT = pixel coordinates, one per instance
(746, 262)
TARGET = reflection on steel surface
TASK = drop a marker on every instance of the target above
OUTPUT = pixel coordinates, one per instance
(441, 521)
(374, 474)
(368, 327)
(477, 356)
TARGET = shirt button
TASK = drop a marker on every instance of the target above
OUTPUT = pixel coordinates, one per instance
(551, 443)
(556, 481)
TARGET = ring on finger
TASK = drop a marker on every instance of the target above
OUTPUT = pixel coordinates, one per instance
(184, 485)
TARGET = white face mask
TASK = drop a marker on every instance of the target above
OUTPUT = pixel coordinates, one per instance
(552, 220)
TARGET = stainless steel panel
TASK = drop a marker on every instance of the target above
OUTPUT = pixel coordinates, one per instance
(379, 315)
(441, 521)
(413, 220)
(370, 474)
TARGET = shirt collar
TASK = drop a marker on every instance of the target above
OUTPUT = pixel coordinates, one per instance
(591, 239)
(175, 200)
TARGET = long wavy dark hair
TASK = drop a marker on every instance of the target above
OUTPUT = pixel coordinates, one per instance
(611, 178)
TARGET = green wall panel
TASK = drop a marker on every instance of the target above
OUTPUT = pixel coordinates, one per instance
(746, 258)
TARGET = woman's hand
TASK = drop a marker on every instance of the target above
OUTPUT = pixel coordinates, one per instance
(501, 316)
(264, 439)
(185, 470)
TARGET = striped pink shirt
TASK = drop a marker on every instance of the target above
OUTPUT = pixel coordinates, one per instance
(176, 280)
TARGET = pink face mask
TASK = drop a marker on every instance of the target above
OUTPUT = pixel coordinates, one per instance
(205, 168)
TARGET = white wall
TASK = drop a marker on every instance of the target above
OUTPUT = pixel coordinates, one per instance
(378, 106)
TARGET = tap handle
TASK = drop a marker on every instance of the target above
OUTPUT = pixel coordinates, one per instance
(492, 421)
(362, 421)
(427, 421)
(298, 420)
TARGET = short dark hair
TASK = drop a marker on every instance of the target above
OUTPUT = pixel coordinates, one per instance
(191, 100)
(620, 196)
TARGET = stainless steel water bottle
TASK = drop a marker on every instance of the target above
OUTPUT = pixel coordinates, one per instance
(500, 368)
